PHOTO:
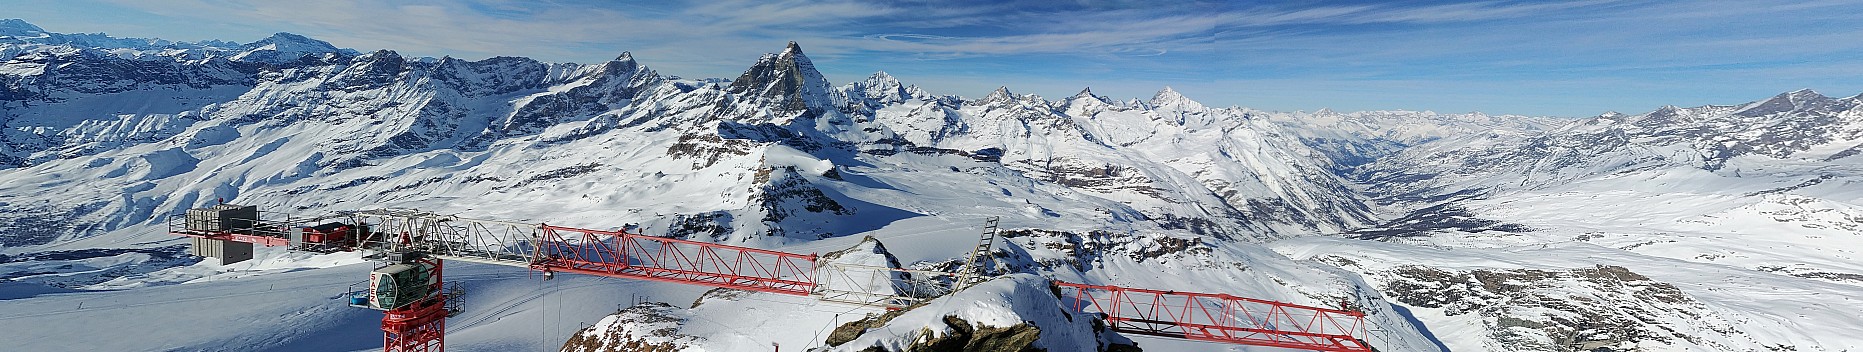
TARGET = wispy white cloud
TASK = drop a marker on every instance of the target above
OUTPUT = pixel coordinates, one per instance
(1478, 43)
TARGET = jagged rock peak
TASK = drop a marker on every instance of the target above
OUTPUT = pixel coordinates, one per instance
(884, 88)
(378, 55)
(789, 78)
(1086, 96)
(1611, 115)
(1087, 92)
(19, 27)
(1001, 94)
(623, 63)
(882, 79)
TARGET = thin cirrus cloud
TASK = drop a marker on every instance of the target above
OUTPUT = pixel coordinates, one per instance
(1524, 57)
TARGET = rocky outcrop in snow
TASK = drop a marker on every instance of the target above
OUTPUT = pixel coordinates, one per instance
(649, 327)
(1008, 314)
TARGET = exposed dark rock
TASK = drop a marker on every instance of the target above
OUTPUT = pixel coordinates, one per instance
(851, 330)
(714, 225)
(1441, 217)
(965, 338)
(1590, 308)
(649, 327)
(783, 193)
(562, 173)
(1083, 251)
(24, 226)
(707, 149)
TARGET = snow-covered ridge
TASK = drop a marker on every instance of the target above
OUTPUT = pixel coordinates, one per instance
(18, 36)
(1244, 180)
(1796, 132)
(101, 141)
(1714, 204)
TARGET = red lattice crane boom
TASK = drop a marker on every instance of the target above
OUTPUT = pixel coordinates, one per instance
(627, 255)
(1220, 318)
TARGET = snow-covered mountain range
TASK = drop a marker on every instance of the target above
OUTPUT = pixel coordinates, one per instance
(1458, 231)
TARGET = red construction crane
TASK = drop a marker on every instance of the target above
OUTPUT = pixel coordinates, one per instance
(413, 245)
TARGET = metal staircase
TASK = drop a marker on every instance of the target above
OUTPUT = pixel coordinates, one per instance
(973, 271)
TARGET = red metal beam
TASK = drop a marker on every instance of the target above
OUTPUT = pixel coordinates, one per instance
(627, 255)
(1221, 318)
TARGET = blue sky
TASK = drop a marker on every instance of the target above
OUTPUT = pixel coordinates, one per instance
(1567, 58)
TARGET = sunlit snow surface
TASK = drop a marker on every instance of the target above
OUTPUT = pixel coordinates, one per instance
(1761, 249)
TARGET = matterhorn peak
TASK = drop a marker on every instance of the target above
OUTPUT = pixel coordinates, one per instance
(625, 56)
(792, 48)
(793, 53)
(788, 77)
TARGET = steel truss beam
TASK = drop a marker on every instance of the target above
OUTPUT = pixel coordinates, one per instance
(622, 254)
(1220, 318)
(880, 286)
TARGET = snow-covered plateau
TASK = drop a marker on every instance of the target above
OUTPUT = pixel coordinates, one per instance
(1714, 228)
